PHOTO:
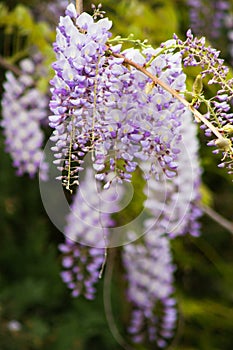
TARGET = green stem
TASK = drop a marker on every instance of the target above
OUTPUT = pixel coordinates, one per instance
(210, 109)
(134, 42)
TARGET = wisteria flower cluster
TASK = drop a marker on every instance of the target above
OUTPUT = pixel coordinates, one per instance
(214, 20)
(103, 107)
(87, 235)
(173, 210)
(229, 26)
(149, 272)
(147, 261)
(116, 114)
(168, 204)
(196, 53)
(215, 11)
(24, 108)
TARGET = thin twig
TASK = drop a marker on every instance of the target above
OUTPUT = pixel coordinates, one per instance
(173, 92)
(228, 225)
(79, 6)
(9, 66)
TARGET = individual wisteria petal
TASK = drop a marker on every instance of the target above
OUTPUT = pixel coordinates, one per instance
(24, 108)
(88, 222)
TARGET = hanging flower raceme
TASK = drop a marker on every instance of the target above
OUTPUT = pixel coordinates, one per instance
(149, 272)
(229, 27)
(87, 234)
(113, 111)
(172, 207)
(81, 267)
(207, 17)
(24, 107)
(80, 47)
(196, 53)
(103, 107)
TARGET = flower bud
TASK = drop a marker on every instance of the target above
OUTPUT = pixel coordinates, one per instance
(197, 85)
(223, 144)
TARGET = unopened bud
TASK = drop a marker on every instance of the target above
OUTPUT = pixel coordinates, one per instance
(149, 87)
(197, 85)
(227, 128)
(223, 144)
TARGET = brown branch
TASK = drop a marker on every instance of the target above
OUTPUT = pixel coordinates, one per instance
(79, 6)
(9, 66)
(173, 92)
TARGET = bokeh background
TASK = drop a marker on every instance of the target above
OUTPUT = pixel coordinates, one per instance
(36, 309)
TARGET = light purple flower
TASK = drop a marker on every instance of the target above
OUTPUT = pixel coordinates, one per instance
(172, 207)
(149, 273)
(102, 107)
(24, 108)
(207, 17)
(87, 235)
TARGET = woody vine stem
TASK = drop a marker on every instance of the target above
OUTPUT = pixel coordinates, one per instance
(79, 6)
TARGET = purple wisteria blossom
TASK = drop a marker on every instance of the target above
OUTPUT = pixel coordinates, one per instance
(24, 108)
(87, 235)
(214, 20)
(80, 47)
(196, 53)
(149, 272)
(114, 112)
(103, 107)
(81, 267)
(172, 206)
(49, 11)
(229, 28)
(207, 17)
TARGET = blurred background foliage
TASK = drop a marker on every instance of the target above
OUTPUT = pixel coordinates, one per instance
(36, 310)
